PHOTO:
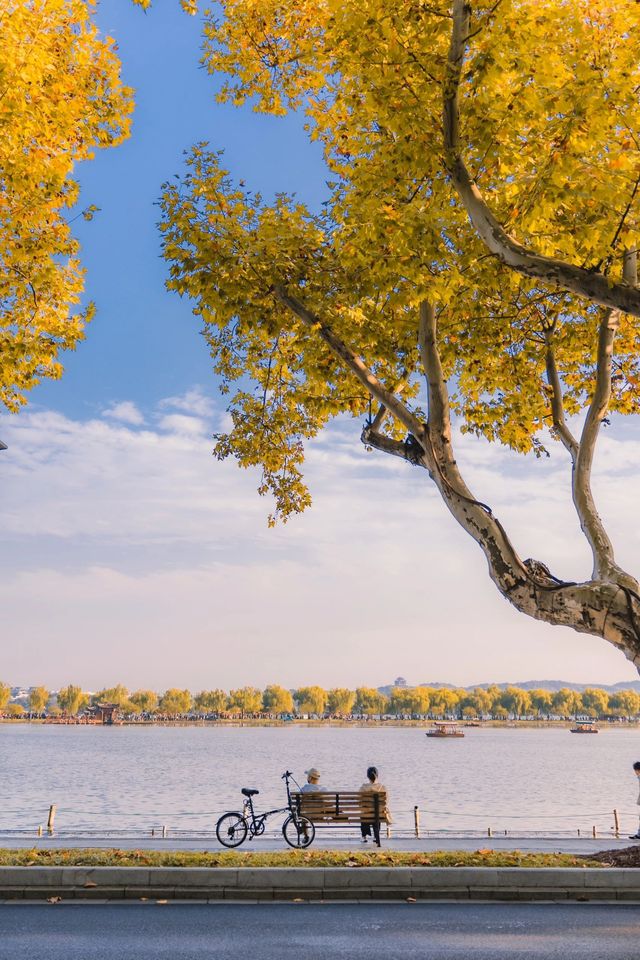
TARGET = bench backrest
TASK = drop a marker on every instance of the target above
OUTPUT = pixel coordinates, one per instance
(341, 806)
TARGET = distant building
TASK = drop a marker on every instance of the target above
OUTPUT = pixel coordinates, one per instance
(104, 712)
(400, 682)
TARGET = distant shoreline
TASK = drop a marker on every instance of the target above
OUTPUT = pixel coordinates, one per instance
(360, 723)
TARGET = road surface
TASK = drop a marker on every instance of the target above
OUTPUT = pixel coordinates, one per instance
(299, 931)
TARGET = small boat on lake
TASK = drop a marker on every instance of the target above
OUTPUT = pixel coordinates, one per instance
(584, 726)
(444, 729)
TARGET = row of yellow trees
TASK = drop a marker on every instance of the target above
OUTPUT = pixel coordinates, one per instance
(402, 701)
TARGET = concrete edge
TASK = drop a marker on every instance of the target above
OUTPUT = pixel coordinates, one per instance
(320, 883)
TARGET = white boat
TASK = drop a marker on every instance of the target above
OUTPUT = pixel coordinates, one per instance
(444, 728)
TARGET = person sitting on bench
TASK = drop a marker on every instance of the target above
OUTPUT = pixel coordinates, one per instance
(313, 782)
(369, 823)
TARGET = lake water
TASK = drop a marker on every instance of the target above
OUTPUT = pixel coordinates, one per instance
(135, 778)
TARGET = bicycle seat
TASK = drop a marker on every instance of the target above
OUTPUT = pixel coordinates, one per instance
(249, 793)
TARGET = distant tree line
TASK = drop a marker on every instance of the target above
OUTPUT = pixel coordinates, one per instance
(431, 702)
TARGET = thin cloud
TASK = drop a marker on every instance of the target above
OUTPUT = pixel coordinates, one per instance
(126, 411)
(127, 545)
(194, 401)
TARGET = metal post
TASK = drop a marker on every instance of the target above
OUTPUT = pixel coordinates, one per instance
(52, 817)
(488, 831)
(617, 822)
(164, 832)
(416, 820)
(594, 832)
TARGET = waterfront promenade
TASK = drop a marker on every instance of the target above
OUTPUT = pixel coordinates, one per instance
(275, 842)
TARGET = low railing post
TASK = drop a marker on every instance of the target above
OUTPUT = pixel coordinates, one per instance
(416, 820)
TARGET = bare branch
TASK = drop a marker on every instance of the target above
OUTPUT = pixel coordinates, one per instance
(630, 267)
(510, 574)
(412, 452)
(377, 421)
(557, 405)
(592, 285)
(604, 564)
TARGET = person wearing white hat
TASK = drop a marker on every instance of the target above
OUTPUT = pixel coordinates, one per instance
(313, 782)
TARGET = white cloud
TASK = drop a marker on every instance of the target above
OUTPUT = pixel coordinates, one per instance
(126, 411)
(132, 554)
(180, 424)
(193, 402)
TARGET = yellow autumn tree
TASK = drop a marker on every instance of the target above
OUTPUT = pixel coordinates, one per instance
(60, 98)
(477, 246)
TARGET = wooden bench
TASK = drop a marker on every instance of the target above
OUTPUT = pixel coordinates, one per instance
(325, 808)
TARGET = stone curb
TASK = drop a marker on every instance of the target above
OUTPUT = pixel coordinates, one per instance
(320, 883)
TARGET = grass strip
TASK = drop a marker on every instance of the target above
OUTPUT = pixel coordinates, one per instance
(97, 857)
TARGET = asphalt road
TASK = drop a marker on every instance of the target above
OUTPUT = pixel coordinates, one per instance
(292, 931)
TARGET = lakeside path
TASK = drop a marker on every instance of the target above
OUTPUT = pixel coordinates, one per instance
(270, 844)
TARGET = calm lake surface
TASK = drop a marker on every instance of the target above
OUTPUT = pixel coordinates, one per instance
(135, 778)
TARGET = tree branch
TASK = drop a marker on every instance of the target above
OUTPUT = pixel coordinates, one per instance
(412, 452)
(594, 286)
(511, 575)
(557, 405)
(600, 607)
(378, 420)
(352, 361)
(379, 417)
(604, 565)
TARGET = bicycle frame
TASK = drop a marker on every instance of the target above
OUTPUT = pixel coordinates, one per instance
(256, 823)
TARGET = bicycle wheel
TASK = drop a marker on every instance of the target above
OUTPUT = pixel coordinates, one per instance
(231, 829)
(298, 831)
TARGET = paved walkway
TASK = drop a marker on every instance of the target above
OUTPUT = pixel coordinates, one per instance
(582, 845)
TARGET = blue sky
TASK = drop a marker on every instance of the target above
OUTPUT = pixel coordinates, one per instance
(130, 554)
(143, 343)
